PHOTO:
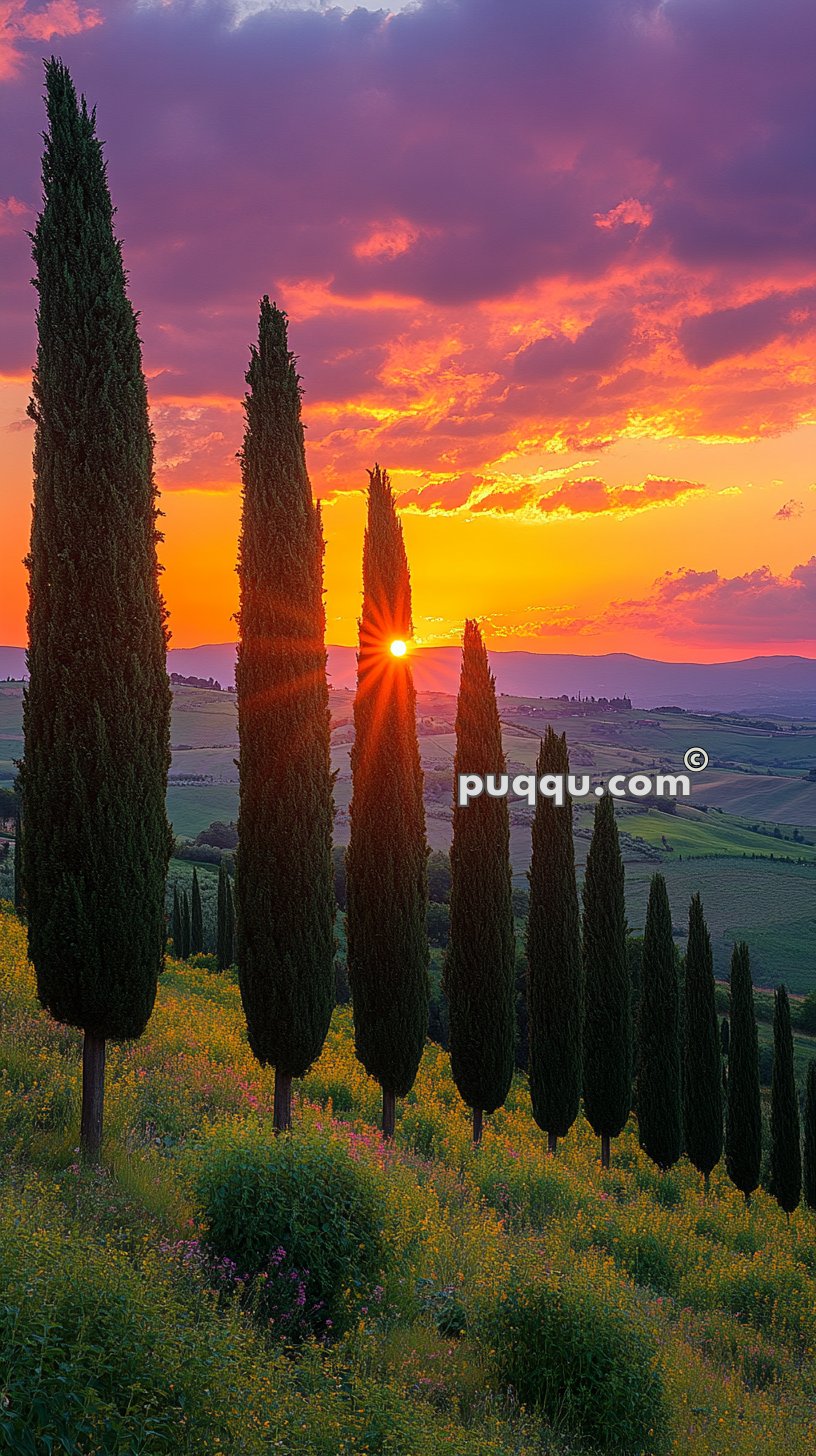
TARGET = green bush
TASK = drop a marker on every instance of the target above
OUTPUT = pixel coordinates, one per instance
(298, 1205)
(578, 1351)
(95, 1358)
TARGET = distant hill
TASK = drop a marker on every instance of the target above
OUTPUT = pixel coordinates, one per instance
(783, 685)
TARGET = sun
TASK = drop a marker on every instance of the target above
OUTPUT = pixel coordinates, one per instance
(398, 647)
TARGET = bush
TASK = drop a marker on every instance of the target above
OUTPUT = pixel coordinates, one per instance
(300, 1202)
(95, 1358)
(578, 1352)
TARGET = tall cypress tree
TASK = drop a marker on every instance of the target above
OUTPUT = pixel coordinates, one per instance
(97, 707)
(702, 1050)
(386, 861)
(196, 917)
(229, 937)
(479, 974)
(555, 997)
(186, 926)
(809, 1149)
(660, 1127)
(284, 881)
(743, 1123)
(223, 936)
(19, 888)
(786, 1155)
(178, 929)
(607, 1061)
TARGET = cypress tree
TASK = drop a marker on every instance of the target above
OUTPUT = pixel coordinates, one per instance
(186, 926)
(97, 706)
(223, 937)
(786, 1156)
(702, 1051)
(607, 1061)
(555, 977)
(658, 1090)
(19, 891)
(284, 880)
(178, 930)
(229, 938)
(809, 1150)
(743, 1123)
(479, 972)
(386, 861)
(196, 917)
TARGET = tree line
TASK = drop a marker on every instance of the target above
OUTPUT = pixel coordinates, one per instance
(95, 841)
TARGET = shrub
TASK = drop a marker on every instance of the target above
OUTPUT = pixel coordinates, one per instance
(303, 1194)
(95, 1358)
(583, 1355)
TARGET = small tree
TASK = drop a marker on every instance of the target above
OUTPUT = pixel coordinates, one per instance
(555, 993)
(743, 1127)
(386, 861)
(809, 1159)
(178, 926)
(223, 939)
(702, 1051)
(196, 917)
(186, 926)
(786, 1157)
(658, 1090)
(607, 995)
(479, 974)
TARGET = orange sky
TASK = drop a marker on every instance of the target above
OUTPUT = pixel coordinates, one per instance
(581, 337)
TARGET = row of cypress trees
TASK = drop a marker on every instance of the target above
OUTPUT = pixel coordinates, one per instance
(187, 921)
(95, 841)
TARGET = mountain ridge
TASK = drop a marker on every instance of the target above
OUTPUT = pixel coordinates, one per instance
(782, 683)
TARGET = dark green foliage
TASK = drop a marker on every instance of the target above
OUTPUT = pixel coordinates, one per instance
(178, 928)
(725, 1036)
(522, 1013)
(339, 864)
(589, 1364)
(480, 960)
(305, 1195)
(786, 1157)
(555, 976)
(224, 948)
(285, 896)
(386, 860)
(607, 988)
(658, 1091)
(438, 923)
(809, 1147)
(743, 1123)
(702, 1050)
(196, 917)
(186, 926)
(439, 877)
(97, 706)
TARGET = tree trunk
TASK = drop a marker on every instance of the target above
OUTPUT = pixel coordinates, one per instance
(283, 1101)
(478, 1124)
(747, 1198)
(552, 1143)
(389, 1109)
(706, 1182)
(93, 1096)
(604, 1149)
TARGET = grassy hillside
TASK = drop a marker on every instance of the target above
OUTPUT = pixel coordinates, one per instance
(625, 1298)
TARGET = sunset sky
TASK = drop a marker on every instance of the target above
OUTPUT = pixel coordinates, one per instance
(551, 262)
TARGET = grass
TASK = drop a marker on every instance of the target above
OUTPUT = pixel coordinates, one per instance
(106, 1318)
